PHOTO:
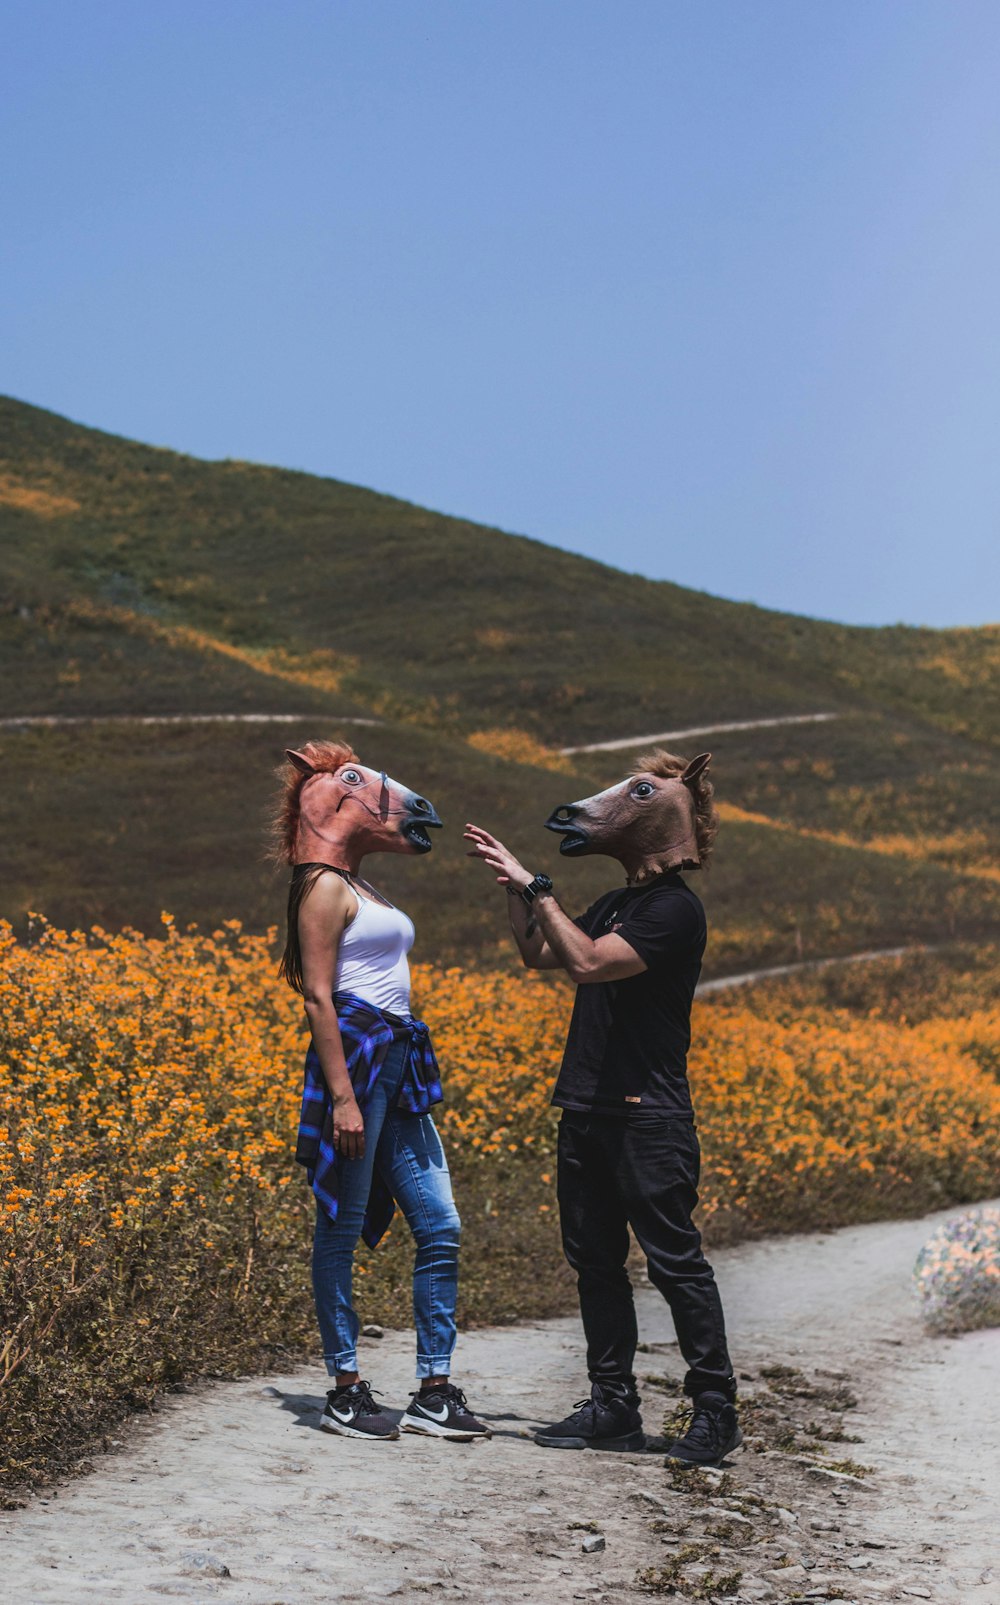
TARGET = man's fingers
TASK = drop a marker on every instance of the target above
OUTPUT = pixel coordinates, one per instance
(493, 856)
(476, 833)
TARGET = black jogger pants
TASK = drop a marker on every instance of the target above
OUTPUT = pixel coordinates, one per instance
(641, 1172)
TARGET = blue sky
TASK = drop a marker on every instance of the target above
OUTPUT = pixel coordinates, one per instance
(707, 290)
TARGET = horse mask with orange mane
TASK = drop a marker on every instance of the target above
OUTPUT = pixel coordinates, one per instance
(649, 821)
(343, 810)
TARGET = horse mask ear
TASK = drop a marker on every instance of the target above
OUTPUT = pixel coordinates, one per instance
(696, 767)
(302, 763)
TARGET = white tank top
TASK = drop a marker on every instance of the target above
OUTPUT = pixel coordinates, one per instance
(372, 961)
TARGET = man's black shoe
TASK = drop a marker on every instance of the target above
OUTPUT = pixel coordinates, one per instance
(713, 1433)
(609, 1419)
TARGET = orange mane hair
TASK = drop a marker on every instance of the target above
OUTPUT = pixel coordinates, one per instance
(706, 816)
(325, 756)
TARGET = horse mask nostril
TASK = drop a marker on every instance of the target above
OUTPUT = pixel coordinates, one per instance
(421, 805)
(567, 812)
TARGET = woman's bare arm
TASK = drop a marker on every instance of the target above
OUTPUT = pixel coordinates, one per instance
(325, 913)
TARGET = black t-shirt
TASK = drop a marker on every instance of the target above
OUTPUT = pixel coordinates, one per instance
(627, 1046)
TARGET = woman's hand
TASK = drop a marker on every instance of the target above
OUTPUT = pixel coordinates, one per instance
(348, 1128)
(508, 871)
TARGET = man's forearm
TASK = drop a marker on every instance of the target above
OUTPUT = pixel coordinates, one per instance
(571, 948)
(526, 931)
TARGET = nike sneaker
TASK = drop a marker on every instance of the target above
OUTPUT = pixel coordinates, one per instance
(443, 1412)
(712, 1434)
(609, 1419)
(353, 1413)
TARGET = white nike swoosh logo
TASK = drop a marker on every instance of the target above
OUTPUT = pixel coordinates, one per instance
(349, 1416)
(435, 1415)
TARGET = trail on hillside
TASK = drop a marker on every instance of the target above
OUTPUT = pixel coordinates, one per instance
(722, 983)
(233, 1493)
(619, 745)
(57, 720)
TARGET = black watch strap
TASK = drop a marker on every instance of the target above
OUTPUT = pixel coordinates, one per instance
(540, 883)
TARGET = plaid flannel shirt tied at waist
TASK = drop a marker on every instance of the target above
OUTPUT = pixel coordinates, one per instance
(367, 1034)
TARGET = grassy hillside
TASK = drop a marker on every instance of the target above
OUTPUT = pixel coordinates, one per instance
(136, 581)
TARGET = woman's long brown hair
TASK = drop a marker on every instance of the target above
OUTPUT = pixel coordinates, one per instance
(304, 878)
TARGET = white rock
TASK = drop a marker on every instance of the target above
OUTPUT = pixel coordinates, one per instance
(593, 1544)
(199, 1561)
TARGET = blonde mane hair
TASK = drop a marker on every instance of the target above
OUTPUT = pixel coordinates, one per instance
(667, 766)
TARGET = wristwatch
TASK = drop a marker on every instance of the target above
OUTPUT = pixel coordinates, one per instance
(534, 888)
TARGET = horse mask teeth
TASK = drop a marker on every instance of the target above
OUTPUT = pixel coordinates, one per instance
(345, 809)
(647, 821)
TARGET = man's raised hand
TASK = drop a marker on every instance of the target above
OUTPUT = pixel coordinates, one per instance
(509, 872)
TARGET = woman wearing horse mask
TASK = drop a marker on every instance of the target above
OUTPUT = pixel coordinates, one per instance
(366, 1135)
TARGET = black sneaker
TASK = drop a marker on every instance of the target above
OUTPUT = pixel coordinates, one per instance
(443, 1412)
(713, 1433)
(609, 1419)
(353, 1413)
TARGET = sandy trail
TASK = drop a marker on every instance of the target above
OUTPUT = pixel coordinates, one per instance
(722, 983)
(620, 744)
(238, 1476)
(58, 720)
(29, 720)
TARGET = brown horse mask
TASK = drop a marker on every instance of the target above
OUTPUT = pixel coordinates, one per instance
(352, 810)
(646, 821)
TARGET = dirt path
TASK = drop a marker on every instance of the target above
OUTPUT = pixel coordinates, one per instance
(233, 1494)
(58, 720)
(46, 720)
(722, 983)
(619, 745)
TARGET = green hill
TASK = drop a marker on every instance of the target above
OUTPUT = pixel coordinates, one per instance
(137, 581)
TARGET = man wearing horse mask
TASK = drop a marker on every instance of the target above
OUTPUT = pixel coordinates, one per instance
(628, 1150)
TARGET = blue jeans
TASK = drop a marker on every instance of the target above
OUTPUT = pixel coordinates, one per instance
(408, 1152)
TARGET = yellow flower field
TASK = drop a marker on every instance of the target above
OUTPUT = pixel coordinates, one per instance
(153, 1223)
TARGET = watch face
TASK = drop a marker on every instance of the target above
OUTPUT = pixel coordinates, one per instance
(538, 884)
